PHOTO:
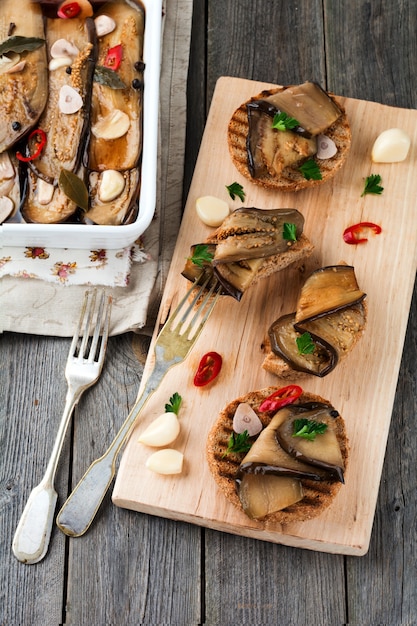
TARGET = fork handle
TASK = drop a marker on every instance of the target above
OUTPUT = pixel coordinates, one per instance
(79, 510)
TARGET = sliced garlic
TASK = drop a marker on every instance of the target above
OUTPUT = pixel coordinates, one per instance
(19, 67)
(70, 100)
(162, 431)
(6, 166)
(167, 461)
(63, 48)
(111, 185)
(391, 146)
(326, 147)
(8, 61)
(245, 418)
(112, 126)
(104, 25)
(57, 62)
(6, 208)
(212, 211)
(45, 192)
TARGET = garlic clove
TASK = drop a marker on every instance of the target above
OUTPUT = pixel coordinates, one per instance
(8, 61)
(70, 100)
(111, 185)
(391, 146)
(326, 147)
(63, 48)
(6, 166)
(167, 461)
(212, 211)
(57, 62)
(6, 208)
(162, 431)
(245, 418)
(19, 67)
(104, 25)
(45, 192)
(112, 126)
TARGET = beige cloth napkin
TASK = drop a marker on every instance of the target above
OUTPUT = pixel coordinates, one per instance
(33, 306)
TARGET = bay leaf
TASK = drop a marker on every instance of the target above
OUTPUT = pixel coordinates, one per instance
(108, 77)
(17, 43)
(74, 188)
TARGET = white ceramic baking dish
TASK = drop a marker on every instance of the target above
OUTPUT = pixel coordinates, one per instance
(83, 236)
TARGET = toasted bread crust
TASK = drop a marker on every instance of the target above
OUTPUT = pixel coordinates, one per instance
(318, 495)
(291, 179)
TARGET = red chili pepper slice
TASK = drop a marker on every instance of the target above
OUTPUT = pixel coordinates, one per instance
(40, 142)
(208, 368)
(353, 234)
(67, 11)
(281, 397)
(114, 57)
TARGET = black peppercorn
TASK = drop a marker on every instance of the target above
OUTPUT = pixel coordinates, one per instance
(137, 84)
(68, 70)
(139, 66)
(16, 125)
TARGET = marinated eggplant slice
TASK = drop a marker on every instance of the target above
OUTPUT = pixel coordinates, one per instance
(283, 338)
(9, 185)
(236, 277)
(66, 129)
(116, 141)
(309, 104)
(251, 233)
(23, 75)
(310, 435)
(119, 210)
(328, 289)
(261, 495)
(331, 312)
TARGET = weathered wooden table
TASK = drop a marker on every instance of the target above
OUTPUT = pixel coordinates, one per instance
(131, 568)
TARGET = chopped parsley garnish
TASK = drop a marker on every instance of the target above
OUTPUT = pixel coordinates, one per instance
(236, 189)
(305, 344)
(174, 404)
(289, 232)
(201, 255)
(238, 442)
(282, 121)
(310, 170)
(372, 185)
(308, 429)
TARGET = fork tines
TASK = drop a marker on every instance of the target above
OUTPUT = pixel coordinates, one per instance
(93, 325)
(198, 309)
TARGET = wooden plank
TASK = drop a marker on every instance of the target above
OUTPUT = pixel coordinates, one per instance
(385, 268)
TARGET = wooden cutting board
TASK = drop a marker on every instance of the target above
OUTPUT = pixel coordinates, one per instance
(362, 388)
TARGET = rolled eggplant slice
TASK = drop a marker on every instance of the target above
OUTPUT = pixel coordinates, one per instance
(331, 310)
(24, 81)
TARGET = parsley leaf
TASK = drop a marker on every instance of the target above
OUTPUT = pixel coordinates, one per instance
(174, 404)
(310, 170)
(236, 189)
(308, 429)
(238, 442)
(201, 255)
(305, 344)
(289, 232)
(282, 121)
(372, 185)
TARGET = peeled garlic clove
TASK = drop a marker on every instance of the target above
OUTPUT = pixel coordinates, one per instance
(245, 418)
(6, 208)
(63, 48)
(70, 100)
(6, 166)
(55, 64)
(326, 147)
(19, 67)
(111, 185)
(162, 431)
(391, 146)
(167, 461)
(112, 126)
(45, 192)
(212, 211)
(104, 25)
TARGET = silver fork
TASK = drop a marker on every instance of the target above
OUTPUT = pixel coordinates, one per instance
(172, 346)
(83, 368)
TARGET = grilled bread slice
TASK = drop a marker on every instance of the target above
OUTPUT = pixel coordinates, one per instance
(318, 495)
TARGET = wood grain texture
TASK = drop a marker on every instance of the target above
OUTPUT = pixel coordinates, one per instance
(385, 269)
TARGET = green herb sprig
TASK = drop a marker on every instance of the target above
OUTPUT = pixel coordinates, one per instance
(282, 121)
(174, 404)
(238, 443)
(308, 429)
(236, 189)
(289, 232)
(305, 344)
(310, 170)
(372, 185)
(201, 255)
